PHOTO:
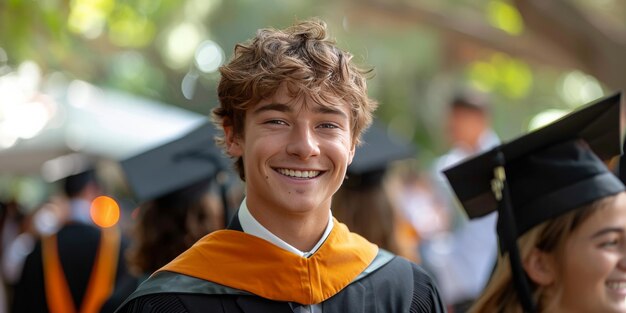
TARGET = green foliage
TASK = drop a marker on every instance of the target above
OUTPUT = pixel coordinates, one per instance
(124, 44)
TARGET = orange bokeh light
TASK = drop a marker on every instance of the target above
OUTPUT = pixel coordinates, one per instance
(105, 212)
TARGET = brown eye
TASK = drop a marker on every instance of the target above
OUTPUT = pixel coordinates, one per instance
(328, 125)
(609, 243)
(276, 122)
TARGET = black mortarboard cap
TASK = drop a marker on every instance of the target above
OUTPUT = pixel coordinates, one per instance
(372, 157)
(74, 184)
(599, 124)
(176, 165)
(541, 175)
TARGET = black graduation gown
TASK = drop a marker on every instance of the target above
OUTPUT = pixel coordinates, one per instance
(390, 284)
(77, 244)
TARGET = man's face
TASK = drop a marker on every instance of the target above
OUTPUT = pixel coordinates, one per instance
(295, 154)
(465, 126)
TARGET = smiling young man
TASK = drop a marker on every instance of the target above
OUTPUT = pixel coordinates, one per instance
(292, 108)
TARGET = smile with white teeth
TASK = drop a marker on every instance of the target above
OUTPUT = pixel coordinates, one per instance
(616, 285)
(297, 173)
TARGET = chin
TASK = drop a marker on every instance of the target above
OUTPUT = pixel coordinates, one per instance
(618, 307)
(301, 207)
(296, 205)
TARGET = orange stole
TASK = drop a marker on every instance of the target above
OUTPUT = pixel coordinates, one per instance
(101, 281)
(246, 262)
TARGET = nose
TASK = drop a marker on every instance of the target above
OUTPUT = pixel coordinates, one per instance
(303, 142)
(622, 262)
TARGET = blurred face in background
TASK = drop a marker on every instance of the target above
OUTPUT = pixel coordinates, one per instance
(465, 126)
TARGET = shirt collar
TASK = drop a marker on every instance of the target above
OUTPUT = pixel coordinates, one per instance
(251, 226)
(79, 211)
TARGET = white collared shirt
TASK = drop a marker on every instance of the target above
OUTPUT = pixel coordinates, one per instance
(79, 211)
(252, 227)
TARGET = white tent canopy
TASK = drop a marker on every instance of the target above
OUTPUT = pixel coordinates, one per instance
(81, 118)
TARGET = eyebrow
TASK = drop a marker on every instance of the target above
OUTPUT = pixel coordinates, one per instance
(329, 110)
(281, 107)
(606, 231)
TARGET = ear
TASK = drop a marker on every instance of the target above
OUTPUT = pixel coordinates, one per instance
(540, 267)
(234, 144)
(352, 150)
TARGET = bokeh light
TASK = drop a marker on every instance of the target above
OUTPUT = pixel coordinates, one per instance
(26, 119)
(188, 84)
(577, 88)
(209, 56)
(544, 118)
(505, 17)
(510, 76)
(181, 43)
(483, 76)
(46, 221)
(88, 17)
(24, 112)
(105, 212)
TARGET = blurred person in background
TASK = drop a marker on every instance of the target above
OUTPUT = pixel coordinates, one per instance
(75, 268)
(363, 202)
(180, 202)
(462, 260)
(416, 198)
(561, 215)
(12, 224)
(44, 219)
(292, 107)
(9, 230)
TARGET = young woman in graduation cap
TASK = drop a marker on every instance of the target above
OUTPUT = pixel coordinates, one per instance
(562, 215)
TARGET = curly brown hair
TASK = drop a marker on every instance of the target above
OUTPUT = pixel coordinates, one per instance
(302, 58)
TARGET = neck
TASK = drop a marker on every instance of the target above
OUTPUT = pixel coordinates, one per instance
(550, 302)
(300, 230)
(465, 147)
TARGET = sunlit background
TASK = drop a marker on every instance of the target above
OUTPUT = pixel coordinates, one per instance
(108, 78)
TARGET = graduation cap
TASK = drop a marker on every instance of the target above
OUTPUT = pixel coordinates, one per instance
(371, 159)
(176, 165)
(541, 175)
(75, 183)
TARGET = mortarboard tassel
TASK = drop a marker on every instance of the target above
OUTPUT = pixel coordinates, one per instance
(622, 164)
(508, 233)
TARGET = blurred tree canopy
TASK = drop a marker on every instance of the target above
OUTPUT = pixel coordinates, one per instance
(528, 55)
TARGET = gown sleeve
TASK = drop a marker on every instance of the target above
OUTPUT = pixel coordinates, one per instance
(426, 298)
(154, 304)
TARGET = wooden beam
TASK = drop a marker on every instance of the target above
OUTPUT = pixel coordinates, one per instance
(599, 47)
(462, 26)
